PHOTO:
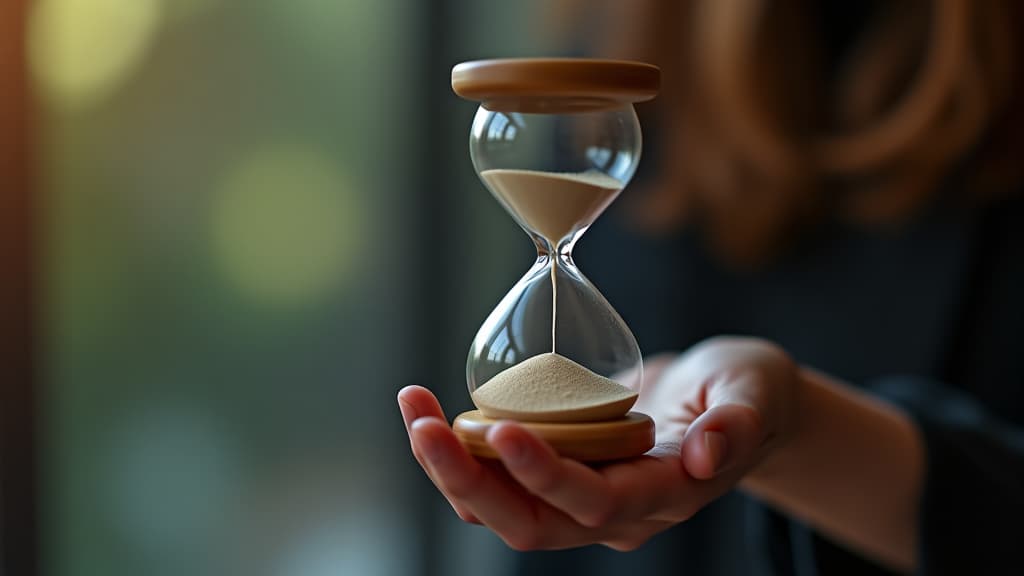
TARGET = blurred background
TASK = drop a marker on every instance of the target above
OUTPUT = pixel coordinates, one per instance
(255, 221)
(232, 230)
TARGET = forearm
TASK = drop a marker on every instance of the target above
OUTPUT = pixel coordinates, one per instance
(852, 468)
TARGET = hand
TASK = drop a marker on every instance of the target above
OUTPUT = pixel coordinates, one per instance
(718, 409)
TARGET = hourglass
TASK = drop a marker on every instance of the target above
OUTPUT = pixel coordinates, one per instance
(556, 141)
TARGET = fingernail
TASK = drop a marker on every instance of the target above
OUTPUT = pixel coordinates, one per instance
(408, 411)
(716, 445)
(511, 450)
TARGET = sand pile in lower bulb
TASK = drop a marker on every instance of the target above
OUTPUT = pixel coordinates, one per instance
(551, 388)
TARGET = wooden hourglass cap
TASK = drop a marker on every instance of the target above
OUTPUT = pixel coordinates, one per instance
(555, 84)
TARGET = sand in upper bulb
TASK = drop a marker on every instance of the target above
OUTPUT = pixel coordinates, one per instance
(553, 204)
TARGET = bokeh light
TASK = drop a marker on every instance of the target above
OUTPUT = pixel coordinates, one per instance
(286, 226)
(80, 51)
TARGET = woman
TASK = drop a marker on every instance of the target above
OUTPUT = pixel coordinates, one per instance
(851, 169)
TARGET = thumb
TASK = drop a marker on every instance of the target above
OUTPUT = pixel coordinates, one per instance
(746, 393)
(723, 437)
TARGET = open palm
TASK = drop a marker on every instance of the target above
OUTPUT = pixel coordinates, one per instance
(716, 409)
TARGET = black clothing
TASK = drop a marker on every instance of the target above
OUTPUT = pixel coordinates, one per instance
(896, 310)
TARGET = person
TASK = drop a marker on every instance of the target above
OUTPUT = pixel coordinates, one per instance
(851, 171)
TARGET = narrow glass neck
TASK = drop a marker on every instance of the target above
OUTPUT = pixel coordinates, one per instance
(563, 248)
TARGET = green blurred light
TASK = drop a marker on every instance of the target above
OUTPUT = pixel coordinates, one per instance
(334, 25)
(183, 10)
(286, 226)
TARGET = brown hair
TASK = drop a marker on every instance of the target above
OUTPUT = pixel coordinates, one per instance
(758, 139)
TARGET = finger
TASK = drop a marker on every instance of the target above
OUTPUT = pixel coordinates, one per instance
(493, 495)
(724, 437)
(580, 492)
(416, 402)
(409, 415)
(463, 513)
(476, 488)
(653, 487)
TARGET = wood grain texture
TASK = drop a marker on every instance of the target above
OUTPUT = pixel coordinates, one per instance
(626, 437)
(555, 85)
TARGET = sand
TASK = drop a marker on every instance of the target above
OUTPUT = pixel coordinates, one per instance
(553, 204)
(552, 388)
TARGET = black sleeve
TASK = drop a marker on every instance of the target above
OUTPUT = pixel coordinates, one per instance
(972, 504)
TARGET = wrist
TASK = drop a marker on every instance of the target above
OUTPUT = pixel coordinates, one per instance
(851, 467)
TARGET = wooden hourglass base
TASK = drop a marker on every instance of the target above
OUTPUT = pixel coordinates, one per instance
(626, 437)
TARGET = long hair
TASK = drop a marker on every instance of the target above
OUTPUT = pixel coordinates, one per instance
(766, 126)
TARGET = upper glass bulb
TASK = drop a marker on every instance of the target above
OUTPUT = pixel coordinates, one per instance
(516, 153)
